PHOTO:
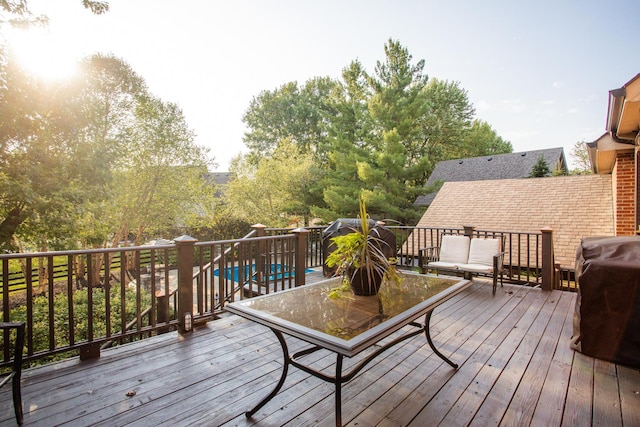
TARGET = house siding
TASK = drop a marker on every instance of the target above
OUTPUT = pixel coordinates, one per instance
(573, 206)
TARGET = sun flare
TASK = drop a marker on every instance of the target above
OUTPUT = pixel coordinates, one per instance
(41, 55)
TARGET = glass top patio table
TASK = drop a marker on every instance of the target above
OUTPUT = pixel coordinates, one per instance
(332, 317)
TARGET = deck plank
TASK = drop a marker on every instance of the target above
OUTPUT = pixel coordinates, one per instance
(524, 402)
(516, 368)
(550, 407)
(478, 370)
(502, 362)
(629, 381)
(419, 349)
(606, 403)
(578, 406)
(434, 373)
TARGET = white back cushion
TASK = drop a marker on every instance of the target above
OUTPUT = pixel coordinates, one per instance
(454, 249)
(481, 251)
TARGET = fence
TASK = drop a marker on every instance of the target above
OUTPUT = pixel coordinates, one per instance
(110, 296)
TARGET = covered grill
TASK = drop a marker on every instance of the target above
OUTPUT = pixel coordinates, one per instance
(607, 313)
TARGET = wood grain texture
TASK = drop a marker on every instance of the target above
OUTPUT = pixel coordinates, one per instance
(516, 368)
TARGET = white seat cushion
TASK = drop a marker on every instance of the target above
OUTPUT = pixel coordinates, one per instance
(454, 249)
(481, 251)
(441, 264)
(476, 268)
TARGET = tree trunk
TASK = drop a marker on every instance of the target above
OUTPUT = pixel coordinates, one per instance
(8, 227)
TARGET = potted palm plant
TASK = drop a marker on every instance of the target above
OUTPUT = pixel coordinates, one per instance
(363, 258)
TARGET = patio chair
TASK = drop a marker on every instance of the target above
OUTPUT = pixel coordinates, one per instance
(15, 373)
(453, 251)
(460, 254)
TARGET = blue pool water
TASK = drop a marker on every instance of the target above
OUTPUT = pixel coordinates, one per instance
(275, 270)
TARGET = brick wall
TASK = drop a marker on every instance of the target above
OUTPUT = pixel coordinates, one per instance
(623, 180)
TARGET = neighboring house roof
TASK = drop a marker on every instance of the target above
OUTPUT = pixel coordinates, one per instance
(219, 179)
(497, 166)
(574, 207)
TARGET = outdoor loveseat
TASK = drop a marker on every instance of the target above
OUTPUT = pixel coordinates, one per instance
(468, 256)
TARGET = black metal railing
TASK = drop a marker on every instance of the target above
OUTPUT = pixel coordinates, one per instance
(80, 301)
(105, 296)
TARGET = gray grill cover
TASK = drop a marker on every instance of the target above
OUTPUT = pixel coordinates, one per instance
(606, 322)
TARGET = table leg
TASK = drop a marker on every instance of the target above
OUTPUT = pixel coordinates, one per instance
(285, 369)
(428, 334)
(338, 393)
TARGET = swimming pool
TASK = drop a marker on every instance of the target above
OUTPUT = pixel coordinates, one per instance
(276, 272)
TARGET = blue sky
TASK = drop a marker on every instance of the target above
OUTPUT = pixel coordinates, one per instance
(538, 72)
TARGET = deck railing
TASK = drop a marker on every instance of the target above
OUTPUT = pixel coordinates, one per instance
(82, 301)
(523, 250)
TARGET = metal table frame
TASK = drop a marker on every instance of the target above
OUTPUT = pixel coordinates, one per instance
(321, 342)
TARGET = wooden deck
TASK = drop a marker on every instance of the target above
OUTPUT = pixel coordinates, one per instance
(516, 369)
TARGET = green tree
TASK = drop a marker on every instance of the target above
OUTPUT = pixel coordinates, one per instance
(540, 168)
(153, 174)
(111, 95)
(161, 183)
(94, 159)
(580, 157)
(446, 124)
(482, 140)
(270, 193)
(41, 171)
(379, 135)
(398, 165)
(406, 124)
(290, 112)
(350, 125)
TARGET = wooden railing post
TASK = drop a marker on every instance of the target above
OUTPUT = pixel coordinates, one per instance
(548, 259)
(185, 247)
(300, 255)
(260, 255)
(468, 230)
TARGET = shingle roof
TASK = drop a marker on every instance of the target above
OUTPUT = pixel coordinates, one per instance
(497, 166)
(219, 178)
(573, 206)
(219, 181)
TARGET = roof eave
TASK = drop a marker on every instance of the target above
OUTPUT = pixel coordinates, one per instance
(623, 112)
(602, 153)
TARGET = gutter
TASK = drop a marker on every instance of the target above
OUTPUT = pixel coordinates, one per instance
(616, 102)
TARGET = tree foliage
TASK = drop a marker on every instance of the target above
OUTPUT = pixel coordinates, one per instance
(482, 140)
(540, 169)
(41, 185)
(18, 14)
(270, 192)
(290, 112)
(94, 161)
(378, 134)
(580, 157)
